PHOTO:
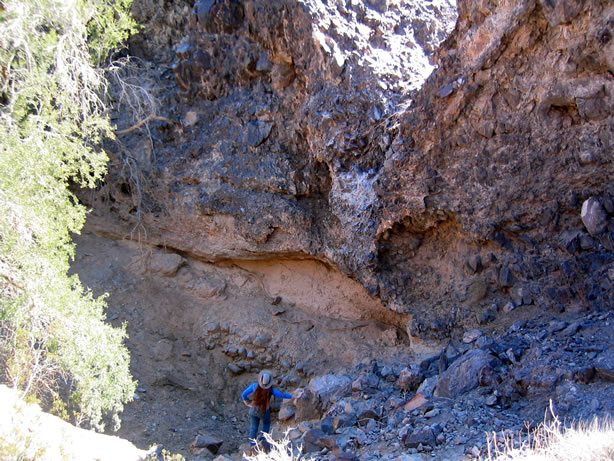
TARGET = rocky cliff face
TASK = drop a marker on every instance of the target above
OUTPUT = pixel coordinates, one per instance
(278, 119)
(314, 184)
(505, 151)
(301, 130)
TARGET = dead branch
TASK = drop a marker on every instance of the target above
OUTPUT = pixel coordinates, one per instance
(138, 125)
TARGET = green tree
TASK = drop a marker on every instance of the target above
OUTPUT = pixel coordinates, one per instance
(54, 342)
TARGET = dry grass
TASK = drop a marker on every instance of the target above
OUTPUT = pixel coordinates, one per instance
(281, 450)
(588, 441)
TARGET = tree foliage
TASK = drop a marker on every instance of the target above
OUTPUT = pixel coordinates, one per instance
(53, 338)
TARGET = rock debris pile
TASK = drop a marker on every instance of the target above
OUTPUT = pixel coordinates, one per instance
(448, 405)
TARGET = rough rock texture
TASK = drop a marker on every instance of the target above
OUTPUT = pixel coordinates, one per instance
(271, 132)
(297, 130)
(500, 150)
(307, 195)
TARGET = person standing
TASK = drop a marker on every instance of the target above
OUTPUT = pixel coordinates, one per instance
(260, 406)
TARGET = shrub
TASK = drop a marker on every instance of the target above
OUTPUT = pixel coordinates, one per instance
(54, 342)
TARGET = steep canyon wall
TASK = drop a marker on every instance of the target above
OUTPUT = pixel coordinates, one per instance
(315, 131)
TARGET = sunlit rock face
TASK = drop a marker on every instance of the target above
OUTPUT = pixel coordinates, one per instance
(446, 174)
(501, 150)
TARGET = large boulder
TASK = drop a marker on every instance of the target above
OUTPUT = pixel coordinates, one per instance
(307, 405)
(328, 387)
(462, 375)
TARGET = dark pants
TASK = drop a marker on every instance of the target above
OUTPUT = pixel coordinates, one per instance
(255, 417)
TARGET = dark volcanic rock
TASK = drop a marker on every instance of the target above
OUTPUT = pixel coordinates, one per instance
(479, 194)
(463, 375)
(300, 142)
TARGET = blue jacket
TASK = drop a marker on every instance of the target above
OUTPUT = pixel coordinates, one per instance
(251, 389)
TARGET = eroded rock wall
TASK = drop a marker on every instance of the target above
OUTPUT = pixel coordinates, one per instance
(301, 129)
(504, 144)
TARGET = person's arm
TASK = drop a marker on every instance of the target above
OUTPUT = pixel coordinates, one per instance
(281, 395)
(247, 392)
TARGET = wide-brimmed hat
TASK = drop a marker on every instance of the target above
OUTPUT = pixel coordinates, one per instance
(265, 379)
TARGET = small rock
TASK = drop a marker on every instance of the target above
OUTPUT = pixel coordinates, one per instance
(569, 240)
(428, 386)
(484, 317)
(235, 369)
(587, 242)
(593, 216)
(556, 325)
(329, 386)
(410, 378)
(416, 402)
(366, 413)
(486, 376)
(367, 382)
(388, 373)
(471, 335)
(190, 119)
(475, 291)
(286, 413)
(371, 426)
(521, 295)
(423, 436)
(262, 340)
(511, 355)
(207, 441)
(484, 342)
(572, 329)
(446, 91)
(344, 420)
(474, 263)
(509, 307)
(516, 326)
(327, 425)
(294, 434)
(305, 426)
(307, 405)
(313, 440)
(264, 64)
